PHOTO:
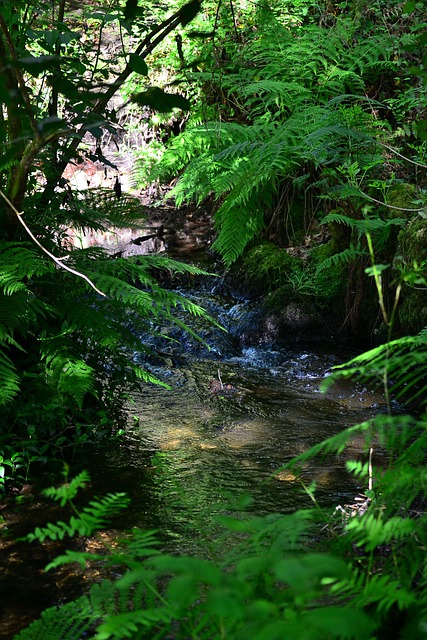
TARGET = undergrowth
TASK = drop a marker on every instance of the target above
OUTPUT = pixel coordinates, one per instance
(363, 576)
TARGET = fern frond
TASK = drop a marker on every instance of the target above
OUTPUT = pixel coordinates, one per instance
(380, 590)
(69, 490)
(271, 93)
(20, 261)
(238, 226)
(371, 532)
(348, 255)
(335, 444)
(143, 543)
(338, 80)
(19, 307)
(70, 375)
(132, 623)
(157, 261)
(9, 379)
(70, 622)
(100, 210)
(106, 601)
(404, 361)
(365, 225)
(90, 519)
(71, 557)
(147, 377)
(18, 310)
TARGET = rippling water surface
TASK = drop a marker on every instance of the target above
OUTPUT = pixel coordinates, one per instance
(231, 418)
(224, 428)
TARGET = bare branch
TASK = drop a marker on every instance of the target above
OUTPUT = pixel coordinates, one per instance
(418, 164)
(390, 206)
(57, 261)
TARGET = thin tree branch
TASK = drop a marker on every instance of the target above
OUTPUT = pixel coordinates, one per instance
(143, 50)
(168, 26)
(234, 21)
(418, 164)
(57, 261)
(390, 206)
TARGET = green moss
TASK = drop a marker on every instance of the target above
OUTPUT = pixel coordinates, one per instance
(411, 255)
(412, 242)
(330, 283)
(323, 251)
(267, 267)
(277, 300)
(402, 195)
(412, 312)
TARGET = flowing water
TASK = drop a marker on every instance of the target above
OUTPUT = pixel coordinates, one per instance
(232, 417)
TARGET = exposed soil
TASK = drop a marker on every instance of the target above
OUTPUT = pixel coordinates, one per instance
(25, 588)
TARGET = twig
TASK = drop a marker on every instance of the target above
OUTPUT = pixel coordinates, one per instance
(234, 21)
(370, 469)
(418, 164)
(51, 256)
(220, 380)
(390, 206)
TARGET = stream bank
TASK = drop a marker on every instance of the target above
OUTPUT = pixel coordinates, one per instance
(240, 405)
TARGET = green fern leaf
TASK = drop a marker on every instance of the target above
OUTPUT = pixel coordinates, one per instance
(69, 490)
(371, 532)
(91, 519)
(130, 625)
(403, 359)
(348, 255)
(80, 557)
(9, 379)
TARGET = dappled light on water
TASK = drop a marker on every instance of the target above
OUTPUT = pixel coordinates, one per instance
(226, 429)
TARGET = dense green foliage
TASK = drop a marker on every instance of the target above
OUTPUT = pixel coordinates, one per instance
(70, 316)
(309, 114)
(303, 116)
(363, 577)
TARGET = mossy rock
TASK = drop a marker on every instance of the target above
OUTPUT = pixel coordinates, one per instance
(265, 267)
(412, 242)
(412, 253)
(277, 300)
(401, 195)
(288, 316)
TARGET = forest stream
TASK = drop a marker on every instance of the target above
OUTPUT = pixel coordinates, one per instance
(232, 417)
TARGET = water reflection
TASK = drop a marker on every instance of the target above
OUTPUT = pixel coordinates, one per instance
(189, 449)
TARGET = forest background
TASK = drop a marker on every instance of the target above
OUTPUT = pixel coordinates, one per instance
(305, 126)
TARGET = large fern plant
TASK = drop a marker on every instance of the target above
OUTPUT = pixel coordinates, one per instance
(70, 318)
(79, 344)
(358, 573)
(298, 101)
